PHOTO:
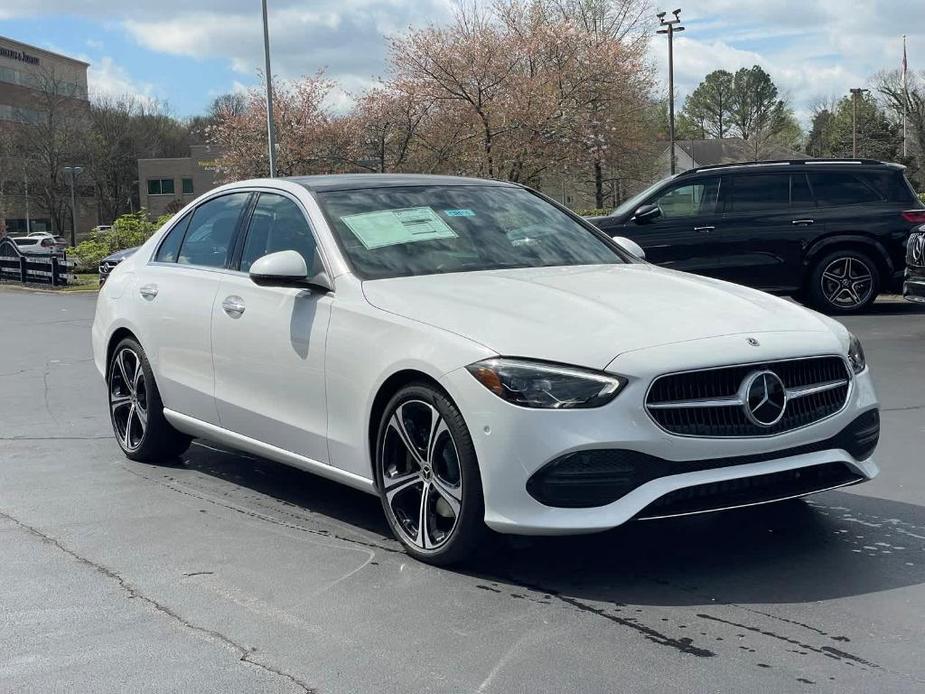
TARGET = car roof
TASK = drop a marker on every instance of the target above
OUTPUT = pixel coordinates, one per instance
(803, 164)
(332, 182)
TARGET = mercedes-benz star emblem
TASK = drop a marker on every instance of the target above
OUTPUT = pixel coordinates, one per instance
(764, 398)
(753, 341)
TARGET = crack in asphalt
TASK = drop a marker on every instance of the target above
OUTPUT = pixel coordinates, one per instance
(245, 655)
(268, 519)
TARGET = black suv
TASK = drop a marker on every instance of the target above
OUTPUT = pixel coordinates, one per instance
(831, 233)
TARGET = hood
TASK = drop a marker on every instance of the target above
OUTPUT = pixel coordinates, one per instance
(120, 255)
(586, 315)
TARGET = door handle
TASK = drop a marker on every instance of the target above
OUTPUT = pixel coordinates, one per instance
(803, 222)
(704, 229)
(148, 291)
(233, 306)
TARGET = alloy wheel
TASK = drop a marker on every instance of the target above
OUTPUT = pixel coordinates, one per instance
(421, 475)
(128, 399)
(847, 282)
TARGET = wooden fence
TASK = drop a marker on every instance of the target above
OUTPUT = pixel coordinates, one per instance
(15, 266)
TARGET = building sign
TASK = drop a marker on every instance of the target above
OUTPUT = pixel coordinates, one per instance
(21, 56)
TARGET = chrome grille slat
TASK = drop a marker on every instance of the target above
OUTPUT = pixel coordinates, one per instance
(817, 387)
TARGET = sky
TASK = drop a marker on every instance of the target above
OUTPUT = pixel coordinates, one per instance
(186, 52)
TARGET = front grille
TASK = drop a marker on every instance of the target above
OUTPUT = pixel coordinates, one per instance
(745, 491)
(723, 384)
(915, 250)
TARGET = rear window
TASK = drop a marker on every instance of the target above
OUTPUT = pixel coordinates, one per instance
(843, 188)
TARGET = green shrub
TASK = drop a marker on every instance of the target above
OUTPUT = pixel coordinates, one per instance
(127, 231)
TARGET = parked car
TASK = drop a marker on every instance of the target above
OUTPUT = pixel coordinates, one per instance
(477, 356)
(110, 261)
(40, 243)
(914, 286)
(830, 233)
(102, 228)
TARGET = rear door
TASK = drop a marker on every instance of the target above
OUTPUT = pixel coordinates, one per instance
(177, 289)
(681, 237)
(768, 218)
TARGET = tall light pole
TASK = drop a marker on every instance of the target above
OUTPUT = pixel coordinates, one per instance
(73, 172)
(670, 27)
(271, 133)
(855, 95)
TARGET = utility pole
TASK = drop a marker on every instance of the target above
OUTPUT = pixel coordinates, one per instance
(855, 94)
(271, 133)
(671, 26)
(73, 172)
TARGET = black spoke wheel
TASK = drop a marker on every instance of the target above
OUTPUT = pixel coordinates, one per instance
(844, 282)
(428, 477)
(136, 410)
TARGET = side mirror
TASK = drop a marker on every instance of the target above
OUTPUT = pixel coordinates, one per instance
(288, 269)
(646, 214)
(630, 246)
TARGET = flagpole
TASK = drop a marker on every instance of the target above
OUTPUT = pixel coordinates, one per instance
(905, 96)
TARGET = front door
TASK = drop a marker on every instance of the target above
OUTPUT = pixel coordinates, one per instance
(268, 343)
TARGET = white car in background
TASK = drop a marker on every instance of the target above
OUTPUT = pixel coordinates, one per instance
(477, 356)
(40, 243)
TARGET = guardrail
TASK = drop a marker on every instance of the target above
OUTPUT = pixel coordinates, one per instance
(17, 266)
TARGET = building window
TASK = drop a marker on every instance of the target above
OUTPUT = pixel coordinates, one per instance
(187, 186)
(160, 186)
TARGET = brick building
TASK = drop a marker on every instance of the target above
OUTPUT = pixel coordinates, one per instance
(165, 185)
(26, 73)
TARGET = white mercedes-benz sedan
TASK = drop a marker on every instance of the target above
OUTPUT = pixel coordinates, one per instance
(477, 356)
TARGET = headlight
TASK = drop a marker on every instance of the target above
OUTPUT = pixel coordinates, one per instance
(548, 386)
(856, 354)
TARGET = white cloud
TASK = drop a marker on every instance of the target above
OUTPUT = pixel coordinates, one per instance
(106, 78)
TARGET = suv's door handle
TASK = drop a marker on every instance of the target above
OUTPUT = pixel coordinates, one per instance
(704, 229)
(233, 306)
(803, 222)
(148, 291)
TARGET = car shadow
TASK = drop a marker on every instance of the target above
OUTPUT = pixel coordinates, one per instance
(832, 545)
(892, 308)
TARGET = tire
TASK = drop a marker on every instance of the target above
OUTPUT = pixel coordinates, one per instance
(136, 410)
(843, 282)
(441, 476)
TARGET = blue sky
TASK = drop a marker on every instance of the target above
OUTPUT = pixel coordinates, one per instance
(185, 53)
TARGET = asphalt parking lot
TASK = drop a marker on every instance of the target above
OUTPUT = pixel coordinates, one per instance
(230, 573)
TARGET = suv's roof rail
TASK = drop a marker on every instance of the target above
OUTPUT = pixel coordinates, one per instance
(784, 162)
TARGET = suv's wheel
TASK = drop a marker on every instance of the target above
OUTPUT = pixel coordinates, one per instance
(428, 477)
(136, 410)
(844, 282)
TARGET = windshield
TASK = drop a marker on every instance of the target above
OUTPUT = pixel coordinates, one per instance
(426, 230)
(632, 203)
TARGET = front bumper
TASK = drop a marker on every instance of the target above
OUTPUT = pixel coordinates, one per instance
(514, 443)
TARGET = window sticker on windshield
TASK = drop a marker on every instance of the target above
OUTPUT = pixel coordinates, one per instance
(465, 212)
(394, 227)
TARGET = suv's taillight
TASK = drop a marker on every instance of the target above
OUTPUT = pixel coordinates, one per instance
(48, 243)
(914, 216)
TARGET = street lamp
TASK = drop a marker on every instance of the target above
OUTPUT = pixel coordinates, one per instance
(671, 26)
(73, 172)
(855, 94)
(271, 134)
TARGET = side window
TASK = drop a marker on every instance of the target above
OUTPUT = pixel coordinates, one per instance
(690, 200)
(760, 192)
(211, 230)
(170, 245)
(837, 188)
(800, 194)
(277, 224)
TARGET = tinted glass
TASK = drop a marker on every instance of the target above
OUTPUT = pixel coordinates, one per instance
(392, 232)
(691, 200)
(154, 186)
(210, 231)
(170, 245)
(187, 186)
(889, 185)
(800, 194)
(836, 188)
(167, 186)
(760, 192)
(277, 225)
